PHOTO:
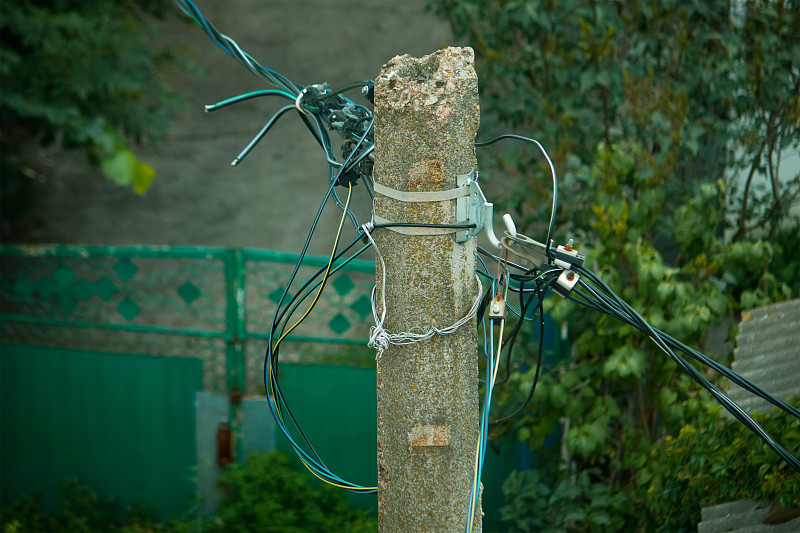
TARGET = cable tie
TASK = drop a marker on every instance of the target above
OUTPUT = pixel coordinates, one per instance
(299, 107)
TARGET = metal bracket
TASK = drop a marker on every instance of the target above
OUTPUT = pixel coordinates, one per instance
(474, 209)
(497, 308)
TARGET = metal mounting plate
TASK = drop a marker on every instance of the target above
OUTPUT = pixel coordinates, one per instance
(473, 208)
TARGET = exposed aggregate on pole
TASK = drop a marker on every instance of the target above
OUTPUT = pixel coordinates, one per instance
(426, 118)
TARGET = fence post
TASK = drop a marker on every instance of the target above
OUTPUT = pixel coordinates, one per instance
(426, 118)
(235, 333)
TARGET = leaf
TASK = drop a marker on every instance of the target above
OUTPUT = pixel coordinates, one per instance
(604, 79)
(625, 361)
(588, 80)
(120, 167)
(123, 168)
(143, 177)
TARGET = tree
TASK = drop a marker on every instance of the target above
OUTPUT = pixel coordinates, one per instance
(669, 119)
(706, 88)
(85, 75)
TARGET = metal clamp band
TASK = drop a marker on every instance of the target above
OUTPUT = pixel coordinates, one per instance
(426, 196)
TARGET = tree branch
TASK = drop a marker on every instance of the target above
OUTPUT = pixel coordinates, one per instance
(743, 213)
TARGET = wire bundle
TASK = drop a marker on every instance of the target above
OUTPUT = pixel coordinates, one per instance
(316, 105)
(321, 109)
(600, 297)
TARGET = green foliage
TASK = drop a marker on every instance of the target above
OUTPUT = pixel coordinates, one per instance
(84, 74)
(715, 460)
(581, 506)
(618, 398)
(81, 511)
(667, 122)
(708, 91)
(267, 494)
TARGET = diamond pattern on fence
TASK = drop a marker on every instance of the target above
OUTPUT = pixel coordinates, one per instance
(181, 301)
(342, 311)
(144, 291)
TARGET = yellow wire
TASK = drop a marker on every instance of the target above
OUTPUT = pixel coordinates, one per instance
(359, 489)
(300, 320)
(327, 270)
(480, 434)
(316, 297)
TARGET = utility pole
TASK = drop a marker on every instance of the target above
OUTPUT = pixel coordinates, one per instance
(426, 118)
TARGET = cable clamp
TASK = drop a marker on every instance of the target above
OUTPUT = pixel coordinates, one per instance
(563, 256)
(565, 283)
(471, 208)
(497, 308)
(566, 256)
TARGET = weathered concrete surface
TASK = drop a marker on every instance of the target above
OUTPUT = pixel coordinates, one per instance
(427, 115)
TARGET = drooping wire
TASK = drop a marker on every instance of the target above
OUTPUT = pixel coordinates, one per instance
(539, 358)
(614, 306)
(551, 226)
(260, 134)
(247, 96)
(313, 464)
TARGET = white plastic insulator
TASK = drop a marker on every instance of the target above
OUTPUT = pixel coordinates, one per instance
(510, 226)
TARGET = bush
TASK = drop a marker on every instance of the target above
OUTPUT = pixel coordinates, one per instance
(717, 460)
(81, 511)
(268, 494)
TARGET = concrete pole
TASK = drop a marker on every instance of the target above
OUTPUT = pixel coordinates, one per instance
(426, 118)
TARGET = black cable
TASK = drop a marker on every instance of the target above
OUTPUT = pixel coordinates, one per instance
(487, 253)
(270, 357)
(283, 317)
(269, 352)
(694, 354)
(551, 226)
(342, 89)
(611, 302)
(511, 339)
(231, 48)
(538, 361)
(260, 134)
(361, 157)
(423, 225)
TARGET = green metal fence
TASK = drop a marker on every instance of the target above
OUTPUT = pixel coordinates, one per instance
(104, 349)
(83, 395)
(214, 304)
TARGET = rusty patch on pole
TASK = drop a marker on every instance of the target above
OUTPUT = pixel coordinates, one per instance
(429, 435)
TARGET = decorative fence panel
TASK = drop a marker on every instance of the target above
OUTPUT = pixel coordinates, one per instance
(214, 304)
(104, 349)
